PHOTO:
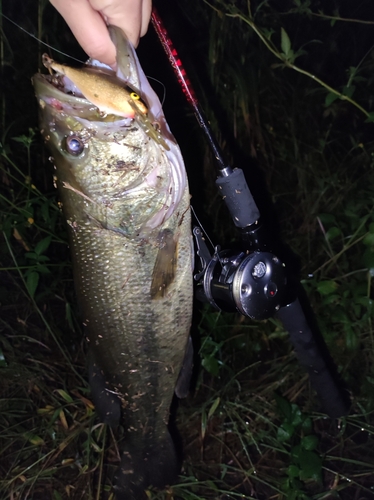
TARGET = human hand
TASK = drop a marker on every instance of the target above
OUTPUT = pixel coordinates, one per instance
(88, 20)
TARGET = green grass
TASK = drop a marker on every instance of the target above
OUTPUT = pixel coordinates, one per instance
(251, 428)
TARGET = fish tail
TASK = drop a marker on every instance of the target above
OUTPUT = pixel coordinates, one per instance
(158, 465)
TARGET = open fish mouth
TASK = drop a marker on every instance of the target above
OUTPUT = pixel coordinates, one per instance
(98, 94)
(68, 80)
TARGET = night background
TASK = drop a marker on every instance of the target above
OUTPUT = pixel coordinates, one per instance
(288, 89)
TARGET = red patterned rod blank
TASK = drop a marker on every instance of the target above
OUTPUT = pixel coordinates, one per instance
(174, 59)
(188, 91)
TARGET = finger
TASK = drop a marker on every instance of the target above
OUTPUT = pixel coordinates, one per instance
(146, 16)
(126, 14)
(92, 34)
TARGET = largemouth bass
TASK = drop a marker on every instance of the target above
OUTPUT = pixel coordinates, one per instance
(124, 193)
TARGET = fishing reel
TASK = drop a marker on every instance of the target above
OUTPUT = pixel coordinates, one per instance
(254, 283)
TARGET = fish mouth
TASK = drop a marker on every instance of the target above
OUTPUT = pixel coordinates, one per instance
(56, 86)
(99, 94)
(61, 89)
(60, 93)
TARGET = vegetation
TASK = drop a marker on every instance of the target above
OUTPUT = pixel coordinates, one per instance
(288, 89)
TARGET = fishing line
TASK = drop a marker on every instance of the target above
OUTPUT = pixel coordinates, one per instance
(202, 227)
(163, 87)
(74, 58)
(40, 41)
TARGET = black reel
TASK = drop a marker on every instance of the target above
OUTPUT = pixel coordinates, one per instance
(252, 283)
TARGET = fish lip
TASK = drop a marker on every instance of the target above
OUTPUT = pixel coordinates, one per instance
(57, 90)
(44, 86)
(49, 94)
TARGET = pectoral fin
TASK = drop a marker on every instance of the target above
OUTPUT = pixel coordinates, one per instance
(164, 271)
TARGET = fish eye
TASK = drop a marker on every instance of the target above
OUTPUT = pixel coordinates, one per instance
(134, 96)
(74, 145)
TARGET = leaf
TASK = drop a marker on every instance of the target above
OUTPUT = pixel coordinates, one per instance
(65, 395)
(34, 438)
(327, 219)
(43, 258)
(366, 302)
(300, 53)
(212, 485)
(68, 461)
(31, 255)
(333, 233)
(32, 283)
(307, 425)
(268, 33)
(211, 365)
(370, 117)
(310, 465)
(302, 8)
(45, 411)
(285, 42)
(368, 260)
(330, 98)
(348, 91)
(284, 406)
(285, 432)
(293, 471)
(63, 420)
(296, 416)
(42, 269)
(332, 299)
(42, 246)
(351, 339)
(295, 453)
(368, 239)
(291, 56)
(339, 314)
(327, 287)
(95, 446)
(309, 443)
(214, 407)
(22, 139)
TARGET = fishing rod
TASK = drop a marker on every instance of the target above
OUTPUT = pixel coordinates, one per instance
(254, 281)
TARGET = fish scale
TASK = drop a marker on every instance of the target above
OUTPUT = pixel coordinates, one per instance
(125, 198)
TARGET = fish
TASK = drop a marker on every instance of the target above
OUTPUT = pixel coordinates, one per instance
(124, 192)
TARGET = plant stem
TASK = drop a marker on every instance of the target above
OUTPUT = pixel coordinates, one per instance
(273, 49)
